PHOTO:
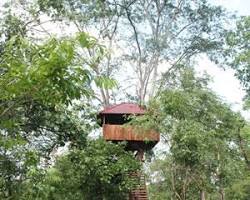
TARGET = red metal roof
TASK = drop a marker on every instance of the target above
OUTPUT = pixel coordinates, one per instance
(124, 108)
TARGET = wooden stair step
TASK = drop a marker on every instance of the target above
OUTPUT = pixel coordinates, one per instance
(140, 191)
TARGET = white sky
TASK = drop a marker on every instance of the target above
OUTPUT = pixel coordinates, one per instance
(224, 83)
(240, 6)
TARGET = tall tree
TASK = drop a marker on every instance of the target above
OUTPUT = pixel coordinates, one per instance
(143, 35)
(165, 34)
(39, 83)
(202, 156)
(237, 51)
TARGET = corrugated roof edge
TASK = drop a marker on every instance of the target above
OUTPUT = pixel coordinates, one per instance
(123, 108)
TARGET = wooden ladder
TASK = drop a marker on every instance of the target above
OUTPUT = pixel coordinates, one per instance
(140, 191)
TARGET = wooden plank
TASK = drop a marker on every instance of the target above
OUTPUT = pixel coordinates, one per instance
(120, 133)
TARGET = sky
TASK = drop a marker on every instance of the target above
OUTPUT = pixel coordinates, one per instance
(240, 6)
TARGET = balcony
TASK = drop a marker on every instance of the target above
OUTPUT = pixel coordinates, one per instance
(125, 133)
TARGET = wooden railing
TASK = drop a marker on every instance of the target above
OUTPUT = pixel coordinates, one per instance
(126, 133)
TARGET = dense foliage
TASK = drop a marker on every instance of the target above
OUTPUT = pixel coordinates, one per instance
(99, 171)
(203, 155)
(41, 85)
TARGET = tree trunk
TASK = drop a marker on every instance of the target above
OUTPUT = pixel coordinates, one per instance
(202, 195)
(222, 194)
(243, 150)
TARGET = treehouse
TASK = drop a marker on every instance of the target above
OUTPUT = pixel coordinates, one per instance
(113, 120)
